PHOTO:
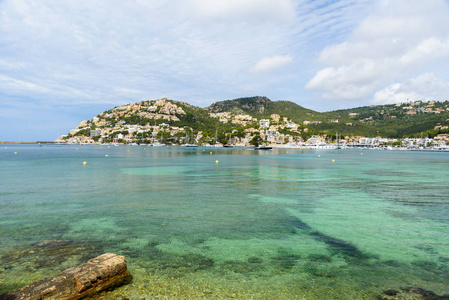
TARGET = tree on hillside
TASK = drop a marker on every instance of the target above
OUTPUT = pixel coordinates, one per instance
(256, 141)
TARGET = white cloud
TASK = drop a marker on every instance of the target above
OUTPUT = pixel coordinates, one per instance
(145, 48)
(350, 82)
(395, 93)
(184, 49)
(396, 41)
(242, 10)
(127, 90)
(429, 49)
(426, 86)
(270, 63)
(9, 83)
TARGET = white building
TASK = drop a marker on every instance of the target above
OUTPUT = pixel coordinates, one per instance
(265, 123)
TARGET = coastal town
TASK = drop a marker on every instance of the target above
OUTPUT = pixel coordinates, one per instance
(158, 123)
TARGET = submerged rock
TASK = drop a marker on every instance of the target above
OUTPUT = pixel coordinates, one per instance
(103, 272)
(55, 255)
(411, 293)
(52, 243)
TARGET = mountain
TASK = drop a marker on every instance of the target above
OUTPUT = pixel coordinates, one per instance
(317, 122)
(250, 105)
(262, 107)
(427, 118)
(174, 119)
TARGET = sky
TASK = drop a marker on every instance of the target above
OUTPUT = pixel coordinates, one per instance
(62, 62)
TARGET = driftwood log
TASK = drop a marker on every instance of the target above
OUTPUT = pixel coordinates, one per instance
(103, 272)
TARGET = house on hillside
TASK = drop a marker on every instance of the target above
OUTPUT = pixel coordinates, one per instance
(264, 123)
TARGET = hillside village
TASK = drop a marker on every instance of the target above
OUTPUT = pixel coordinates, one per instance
(409, 109)
(173, 122)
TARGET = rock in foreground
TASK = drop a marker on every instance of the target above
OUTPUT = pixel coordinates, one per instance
(103, 272)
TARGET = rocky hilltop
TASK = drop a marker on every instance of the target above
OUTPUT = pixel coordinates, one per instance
(149, 121)
(253, 105)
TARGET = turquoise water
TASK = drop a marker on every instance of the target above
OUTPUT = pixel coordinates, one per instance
(285, 224)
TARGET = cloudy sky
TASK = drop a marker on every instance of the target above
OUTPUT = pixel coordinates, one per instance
(65, 61)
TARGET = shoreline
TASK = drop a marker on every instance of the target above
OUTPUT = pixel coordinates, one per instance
(275, 146)
(28, 142)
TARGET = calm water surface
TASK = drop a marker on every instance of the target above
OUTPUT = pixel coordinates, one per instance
(284, 224)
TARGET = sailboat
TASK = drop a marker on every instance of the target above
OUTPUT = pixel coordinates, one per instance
(338, 141)
(263, 146)
(229, 145)
(217, 144)
(157, 143)
(187, 142)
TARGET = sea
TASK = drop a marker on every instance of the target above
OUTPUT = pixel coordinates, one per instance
(221, 223)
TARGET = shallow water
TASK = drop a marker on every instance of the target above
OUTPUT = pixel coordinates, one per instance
(285, 224)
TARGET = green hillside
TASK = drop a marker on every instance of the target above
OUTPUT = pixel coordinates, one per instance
(403, 120)
(198, 119)
(393, 120)
(262, 107)
(232, 117)
(255, 106)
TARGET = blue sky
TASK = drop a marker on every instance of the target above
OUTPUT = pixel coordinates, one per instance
(62, 62)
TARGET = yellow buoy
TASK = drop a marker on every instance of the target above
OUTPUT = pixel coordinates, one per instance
(15, 152)
(84, 163)
(361, 153)
(144, 148)
(216, 161)
(106, 155)
(319, 155)
(333, 160)
(210, 152)
(287, 151)
(109, 146)
(6, 147)
(128, 150)
(76, 149)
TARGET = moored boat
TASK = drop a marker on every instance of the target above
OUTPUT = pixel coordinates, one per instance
(263, 147)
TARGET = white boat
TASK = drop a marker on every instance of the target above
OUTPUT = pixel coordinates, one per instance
(322, 145)
(157, 143)
(187, 141)
(337, 136)
(263, 147)
(229, 145)
(217, 145)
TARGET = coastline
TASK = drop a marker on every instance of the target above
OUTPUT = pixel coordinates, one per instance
(274, 146)
(28, 142)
